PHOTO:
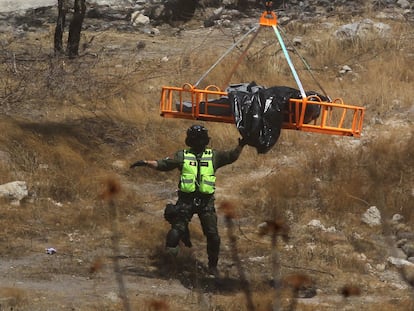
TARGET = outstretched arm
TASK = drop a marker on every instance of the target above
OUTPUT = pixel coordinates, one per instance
(227, 157)
(150, 163)
(165, 164)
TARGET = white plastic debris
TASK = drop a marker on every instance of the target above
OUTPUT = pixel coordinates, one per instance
(50, 251)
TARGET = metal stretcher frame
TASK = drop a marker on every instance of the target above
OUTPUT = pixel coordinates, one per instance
(336, 118)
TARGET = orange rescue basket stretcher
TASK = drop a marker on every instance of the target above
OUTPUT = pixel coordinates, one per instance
(188, 102)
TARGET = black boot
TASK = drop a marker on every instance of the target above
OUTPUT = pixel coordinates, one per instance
(186, 238)
(213, 271)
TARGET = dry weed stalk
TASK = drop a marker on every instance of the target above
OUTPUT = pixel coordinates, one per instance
(275, 228)
(112, 189)
(296, 282)
(157, 305)
(96, 265)
(229, 214)
(350, 290)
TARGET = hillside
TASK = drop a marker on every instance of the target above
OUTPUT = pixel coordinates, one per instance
(340, 207)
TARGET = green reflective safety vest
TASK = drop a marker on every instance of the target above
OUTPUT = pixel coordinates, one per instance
(198, 174)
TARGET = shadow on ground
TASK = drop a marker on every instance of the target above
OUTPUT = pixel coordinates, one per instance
(189, 271)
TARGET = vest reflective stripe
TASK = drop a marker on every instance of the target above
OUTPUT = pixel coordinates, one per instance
(198, 174)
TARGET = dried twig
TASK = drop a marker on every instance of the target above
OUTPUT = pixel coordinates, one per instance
(14, 63)
(229, 214)
(359, 199)
(113, 188)
(308, 269)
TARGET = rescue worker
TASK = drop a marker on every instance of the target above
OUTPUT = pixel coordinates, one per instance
(198, 165)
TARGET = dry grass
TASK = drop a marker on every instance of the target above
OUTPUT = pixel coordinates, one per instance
(68, 122)
(12, 298)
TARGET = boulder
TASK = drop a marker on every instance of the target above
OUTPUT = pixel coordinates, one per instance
(14, 191)
(372, 217)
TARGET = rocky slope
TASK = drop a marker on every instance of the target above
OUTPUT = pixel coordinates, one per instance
(372, 252)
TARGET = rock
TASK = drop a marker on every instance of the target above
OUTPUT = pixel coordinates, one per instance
(397, 218)
(372, 217)
(14, 191)
(408, 249)
(141, 45)
(382, 29)
(404, 4)
(307, 292)
(345, 69)
(361, 257)
(397, 252)
(393, 279)
(405, 235)
(155, 31)
(217, 12)
(230, 2)
(139, 19)
(208, 23)
(316, 223)
(361, 30)
(352, 31)
(380, 267)
(107, 13)
(94, 13)
(401, 243)
(297, 41)
(398, 262)
(407, 272)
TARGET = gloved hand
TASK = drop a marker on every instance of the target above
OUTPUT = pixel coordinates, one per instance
(138, 163)
(242, 142)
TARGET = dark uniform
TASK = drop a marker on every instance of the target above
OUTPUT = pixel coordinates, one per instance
(198, 203)
(197, 165)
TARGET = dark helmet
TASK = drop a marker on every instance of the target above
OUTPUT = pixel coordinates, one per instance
(197, 137)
